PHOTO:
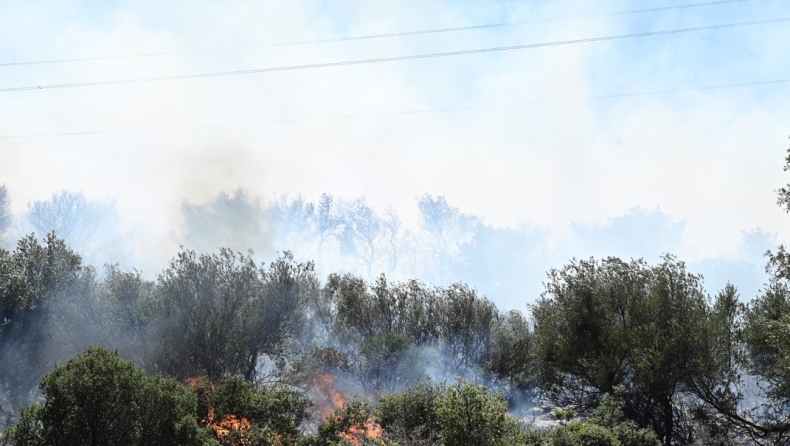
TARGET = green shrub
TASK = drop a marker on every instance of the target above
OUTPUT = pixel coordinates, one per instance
(582, 434)
(472, 414)
(97, 398)
(410, 417)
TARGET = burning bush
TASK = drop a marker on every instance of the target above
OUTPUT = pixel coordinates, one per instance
(240, 413)
(353, 424)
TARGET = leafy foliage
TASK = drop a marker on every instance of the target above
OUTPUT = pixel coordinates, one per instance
(96, 398)
(241, 413)
(471, 414)
(609, 323)
(410, 417)
(226, 314)
(33, 279)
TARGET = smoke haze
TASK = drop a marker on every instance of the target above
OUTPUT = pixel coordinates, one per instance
(540, 161)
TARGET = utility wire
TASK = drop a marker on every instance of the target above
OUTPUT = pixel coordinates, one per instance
(391, 59)
(385, 114)
(371, 36)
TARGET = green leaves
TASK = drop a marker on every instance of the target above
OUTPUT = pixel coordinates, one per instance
(471, 414)
(767, 335)
(96, 398)
(607, 323)
(225, 314)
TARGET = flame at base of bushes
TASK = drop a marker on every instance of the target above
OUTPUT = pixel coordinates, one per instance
(229, 423)
(370, 430)
(326, 397)
(344, 419)
(230, 429)
(353, 422)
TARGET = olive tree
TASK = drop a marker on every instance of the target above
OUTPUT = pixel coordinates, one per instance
(610, 323)
(226, 315)
(32, 279)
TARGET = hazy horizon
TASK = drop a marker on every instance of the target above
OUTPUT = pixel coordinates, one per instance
(565, 141)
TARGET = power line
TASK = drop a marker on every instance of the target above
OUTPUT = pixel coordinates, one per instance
(385, 114)
(371, 36)
(390, 59)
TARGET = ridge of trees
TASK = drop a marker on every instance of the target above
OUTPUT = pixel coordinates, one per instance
(638, 351)
(677, 360)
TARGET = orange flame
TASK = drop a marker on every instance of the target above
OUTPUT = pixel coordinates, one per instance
(323, 386)
(328, 399)
(227, 424)
(192, 381)
(371, 430)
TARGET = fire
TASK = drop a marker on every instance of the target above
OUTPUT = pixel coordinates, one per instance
(327, 399)
(323, 385)
(228, 423)
(192, 381)
(371, 430)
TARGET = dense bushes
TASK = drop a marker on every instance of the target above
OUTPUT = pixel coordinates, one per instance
(98, 399)
(674, 358)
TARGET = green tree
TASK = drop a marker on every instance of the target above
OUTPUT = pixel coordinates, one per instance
(606, 323)
(779, 261)
(226, 314)
(511, 357)
(465, 327)
(364, 312)
(32, 279)
(471, 414)
(409, 417)
(582, 434)
(135, 310)
(610, 415)
(389, 362)
(98, 399)
(718, 374)
(767, 335)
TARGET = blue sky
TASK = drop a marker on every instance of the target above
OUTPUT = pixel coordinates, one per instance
(710, 159)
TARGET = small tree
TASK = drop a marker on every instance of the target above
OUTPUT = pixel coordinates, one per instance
(608, 323)
(471, 414)
(227, 314)
(410, 417)
(98, 399)
(32, 278)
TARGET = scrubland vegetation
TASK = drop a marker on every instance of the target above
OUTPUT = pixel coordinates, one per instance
(220, 349)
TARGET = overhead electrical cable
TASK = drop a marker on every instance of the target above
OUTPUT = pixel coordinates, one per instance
(385, 114)
(370, 36)
(390, 59)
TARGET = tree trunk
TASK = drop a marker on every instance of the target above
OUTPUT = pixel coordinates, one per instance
(668, 421)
